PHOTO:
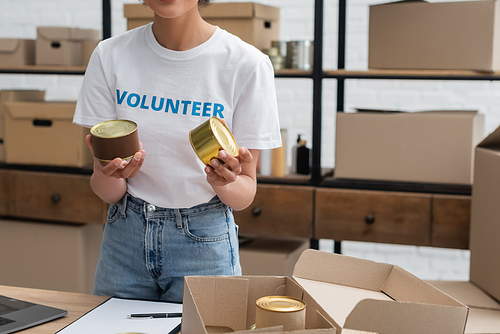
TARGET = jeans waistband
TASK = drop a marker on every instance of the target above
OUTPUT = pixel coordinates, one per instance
(140, 205)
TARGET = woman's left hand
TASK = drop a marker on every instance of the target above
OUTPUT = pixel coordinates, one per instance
(220, 174)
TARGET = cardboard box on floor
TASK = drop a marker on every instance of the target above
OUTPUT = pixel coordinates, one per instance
(342, 293)
(42, 133)
(17, 52)
(460, 35)
(254, 23)
(266, 256)
(428, 146)
(65, 46)
(14, 95)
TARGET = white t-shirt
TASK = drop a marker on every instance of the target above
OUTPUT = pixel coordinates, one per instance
(168, 93)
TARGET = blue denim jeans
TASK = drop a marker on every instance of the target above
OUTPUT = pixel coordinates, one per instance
(146, 250)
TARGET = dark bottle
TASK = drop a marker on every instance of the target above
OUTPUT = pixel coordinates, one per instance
(301, 157)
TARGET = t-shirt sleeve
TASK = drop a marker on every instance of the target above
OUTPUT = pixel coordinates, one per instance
(255, 120)
(96, 100)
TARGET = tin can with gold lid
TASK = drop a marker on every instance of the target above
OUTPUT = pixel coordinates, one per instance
(115, 139)
(283, 311)
(210, 137)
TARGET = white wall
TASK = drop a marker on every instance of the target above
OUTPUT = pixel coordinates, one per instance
(21, 17)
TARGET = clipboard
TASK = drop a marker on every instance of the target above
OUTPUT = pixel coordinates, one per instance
(112, 317)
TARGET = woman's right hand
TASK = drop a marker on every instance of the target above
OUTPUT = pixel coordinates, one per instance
(117, 168)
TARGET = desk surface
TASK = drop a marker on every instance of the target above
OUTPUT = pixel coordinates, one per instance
(77, 304)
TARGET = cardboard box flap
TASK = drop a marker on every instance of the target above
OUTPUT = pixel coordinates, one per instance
(240, 10)
(66, 33)
(397, 285)
(227, 294)
(342, 270)
(391, 317)
(41, 111)
(483, 321)
(9, 45)
(492, 140)
(467, 293)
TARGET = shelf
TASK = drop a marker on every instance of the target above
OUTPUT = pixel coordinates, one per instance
(412, 74)
(43, 69)
(292, 73)
(414, 187)
(87, 170)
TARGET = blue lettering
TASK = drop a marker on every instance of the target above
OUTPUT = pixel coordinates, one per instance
(186, 105)
(137, 100)
(153, 104)
(206, 109)
(170, 104)
(218, 108)
(120, 98)
(196, 107)
(143, 103)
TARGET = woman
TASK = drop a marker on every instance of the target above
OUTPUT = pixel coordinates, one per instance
(171, 216)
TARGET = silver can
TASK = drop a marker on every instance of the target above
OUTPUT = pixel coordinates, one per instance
(300, 55)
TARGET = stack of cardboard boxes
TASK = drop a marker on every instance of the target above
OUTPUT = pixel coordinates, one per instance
(53, 46)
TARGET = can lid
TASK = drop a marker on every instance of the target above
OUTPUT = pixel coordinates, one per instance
(113, 129)
(280, 304)
(224, 136)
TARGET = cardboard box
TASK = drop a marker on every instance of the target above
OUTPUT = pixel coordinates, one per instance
(444, 35)
(484, 311)
(265, 256)
(482, 292)
(14, 95)
(484, 242)
(17, 52)
(254, 23)
(347, 292)
(60, 257)
(64, 45)
(42, 133)
(428, 146)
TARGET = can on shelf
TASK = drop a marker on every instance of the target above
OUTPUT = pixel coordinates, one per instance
(210, 137)
(283, 311)
(115, 139)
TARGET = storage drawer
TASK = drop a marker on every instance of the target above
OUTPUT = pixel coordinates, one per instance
(450, 221)
(278, 210)
(373, 216)
(56, 197)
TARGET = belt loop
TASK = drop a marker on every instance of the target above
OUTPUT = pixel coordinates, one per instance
(123, 205)
(179, 218)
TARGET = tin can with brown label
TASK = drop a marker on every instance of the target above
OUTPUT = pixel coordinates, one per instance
(115, 139)
(210, 137)
(280, 311)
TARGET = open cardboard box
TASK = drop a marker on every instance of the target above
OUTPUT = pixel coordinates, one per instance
(342, 293)
(435, 146)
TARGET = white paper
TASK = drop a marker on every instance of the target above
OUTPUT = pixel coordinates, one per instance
(111, 318)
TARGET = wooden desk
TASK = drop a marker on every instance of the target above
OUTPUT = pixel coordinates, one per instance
(77, 304)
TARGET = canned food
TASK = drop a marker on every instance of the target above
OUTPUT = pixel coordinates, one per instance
(115, 139)
(210, 137)
(280, 311)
